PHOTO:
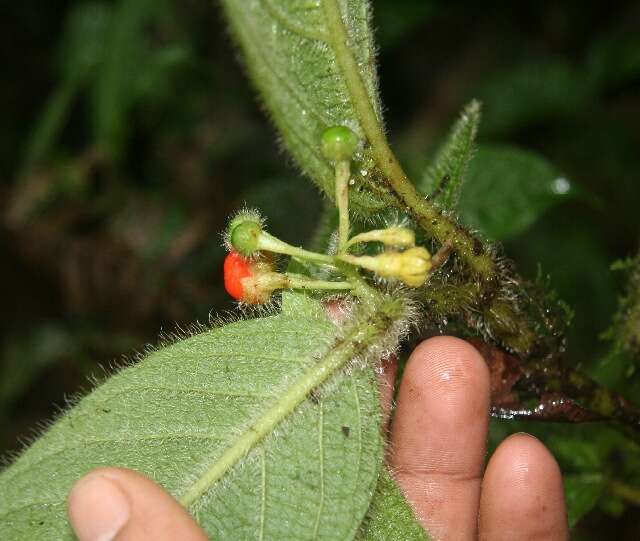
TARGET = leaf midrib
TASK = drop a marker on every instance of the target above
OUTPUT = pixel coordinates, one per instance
(335, 358)
(338, 40)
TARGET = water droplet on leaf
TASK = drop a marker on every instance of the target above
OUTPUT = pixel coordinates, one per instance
(560, 186)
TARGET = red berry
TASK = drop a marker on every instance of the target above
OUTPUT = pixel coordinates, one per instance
(236, 268)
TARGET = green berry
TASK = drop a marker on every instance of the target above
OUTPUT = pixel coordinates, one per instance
(244, 237)
(245, 215)
(339, 143)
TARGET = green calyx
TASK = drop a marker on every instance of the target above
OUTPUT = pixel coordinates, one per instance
(339, 143)
(245, 237)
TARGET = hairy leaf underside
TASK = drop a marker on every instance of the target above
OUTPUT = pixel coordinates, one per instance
(264, 429)
(444, 178)
(390, 518)
(296, 58)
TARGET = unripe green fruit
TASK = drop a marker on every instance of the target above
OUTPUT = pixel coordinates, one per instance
(339, 143)
(244, 237)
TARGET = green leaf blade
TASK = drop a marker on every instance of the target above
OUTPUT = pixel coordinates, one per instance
(84, 43)
(235, 422)
(544, 88)
(114, 89)
(390, 516)
(443, 180)
(582, 492)
(508, 189)
(291, 55)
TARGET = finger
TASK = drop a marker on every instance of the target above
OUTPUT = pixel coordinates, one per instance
(522, 495)
(439, 433)
(386, 383)
(122, 505)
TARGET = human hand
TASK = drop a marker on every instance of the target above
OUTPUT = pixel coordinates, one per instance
(436, 452)
(116, 504)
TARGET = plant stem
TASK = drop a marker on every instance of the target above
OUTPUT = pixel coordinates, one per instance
(296, 281)
(495, 296)
(504, 320)
(272, 244)
(343, 172)
(440, 257)
(429, 217)
(626, 492)
(364, 261)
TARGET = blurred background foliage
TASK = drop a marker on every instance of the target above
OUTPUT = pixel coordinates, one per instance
(129, 133)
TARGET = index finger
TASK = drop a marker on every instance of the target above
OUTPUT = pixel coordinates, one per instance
(438, 436)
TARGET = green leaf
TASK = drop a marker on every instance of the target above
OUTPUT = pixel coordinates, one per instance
(443, 180)
(154, 78)
(85, 39)
(530, 93)
(582, 493)
(508, 189)
(614, 60)
(115, 88)
(263, 429)
(390, 517)
(625, 327)
(579, 454)
(49, 124)
(81, 51)
(306, 74)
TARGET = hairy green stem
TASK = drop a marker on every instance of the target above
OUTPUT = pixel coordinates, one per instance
(508, 326)
(429, 217)
(269, 243)
(511, 317)
(343, 172)
(297, 281)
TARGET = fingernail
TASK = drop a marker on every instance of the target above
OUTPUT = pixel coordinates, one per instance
(98, 509)
(525, 434)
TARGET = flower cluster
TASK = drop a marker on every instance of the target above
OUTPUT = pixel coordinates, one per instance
(249, 270)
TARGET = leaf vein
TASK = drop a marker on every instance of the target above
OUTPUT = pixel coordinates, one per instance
(263, 493)
(291, 25)
(316, 527)
(267, 64)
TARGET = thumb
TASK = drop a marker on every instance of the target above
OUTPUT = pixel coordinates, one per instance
(115, 504)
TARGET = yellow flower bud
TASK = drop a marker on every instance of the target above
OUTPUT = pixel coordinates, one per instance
(401, 237)
(411, 266)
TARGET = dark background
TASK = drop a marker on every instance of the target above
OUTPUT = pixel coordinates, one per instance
(128, 133)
